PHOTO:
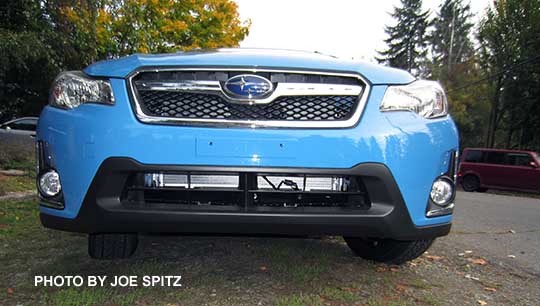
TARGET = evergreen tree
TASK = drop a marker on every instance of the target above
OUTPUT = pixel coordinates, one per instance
(450, 40)
(406, 42)
(455, 65)
(509, 38)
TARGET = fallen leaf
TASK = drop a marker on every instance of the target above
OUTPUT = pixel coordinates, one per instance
(9, 290)
(468, 252)
(461, 254)
(263, 268)
(489, 289)
(401, 288)
(512, 231)
(434, 257)
(511, 256)
(477, 261)
(482, 303)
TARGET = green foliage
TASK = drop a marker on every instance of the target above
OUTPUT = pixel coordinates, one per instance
(111, 28)
(40, 38)
(455, 66)
(509, 36)
(450, 40)
(28, 62)
(406, 42)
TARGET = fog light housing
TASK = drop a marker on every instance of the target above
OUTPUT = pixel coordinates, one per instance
(442, 192)
(49, 184)
(441, 197)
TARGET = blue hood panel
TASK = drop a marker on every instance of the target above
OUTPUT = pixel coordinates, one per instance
(253, 58)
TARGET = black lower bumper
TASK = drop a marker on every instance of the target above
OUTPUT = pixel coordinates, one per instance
(104, 211)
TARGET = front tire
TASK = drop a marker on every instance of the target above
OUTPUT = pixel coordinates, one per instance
(388, 250)
(470, 183)
(112, 246)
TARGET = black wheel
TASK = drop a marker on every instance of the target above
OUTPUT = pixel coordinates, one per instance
(112, 246)
(388, 250)
(470, 183)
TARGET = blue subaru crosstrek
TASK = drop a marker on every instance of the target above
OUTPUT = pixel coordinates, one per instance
(241, 141)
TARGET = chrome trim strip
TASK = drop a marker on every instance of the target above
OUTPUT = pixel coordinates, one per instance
(180, 86)
(282, 89)
(441, 211)
(306, 89)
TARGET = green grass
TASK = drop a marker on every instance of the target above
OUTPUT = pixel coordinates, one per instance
(300, 300)
(18, 219)
(431, 300)
(26, 165)
(77, 297)
(338, 294)
(16, 183)
(420, 284)
(300, 261)
(109, 296)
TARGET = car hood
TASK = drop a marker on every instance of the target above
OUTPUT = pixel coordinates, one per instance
(251, 59)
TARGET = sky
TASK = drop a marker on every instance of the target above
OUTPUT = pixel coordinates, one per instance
(344, 28)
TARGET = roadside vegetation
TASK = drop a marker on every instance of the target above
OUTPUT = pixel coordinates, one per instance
(244, 271)
(18, 157)
(489, 66)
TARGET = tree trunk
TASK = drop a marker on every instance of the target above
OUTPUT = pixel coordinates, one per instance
(492, 127)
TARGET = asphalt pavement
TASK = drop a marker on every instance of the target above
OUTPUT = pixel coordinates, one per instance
(504, 229)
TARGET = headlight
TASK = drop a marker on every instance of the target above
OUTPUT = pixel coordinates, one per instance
(426, 98)
(73, 88)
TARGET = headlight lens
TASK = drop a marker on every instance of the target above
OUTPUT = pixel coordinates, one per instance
(426, 98)
(73, 88)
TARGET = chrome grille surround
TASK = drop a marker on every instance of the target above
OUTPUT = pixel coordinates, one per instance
(281, 90)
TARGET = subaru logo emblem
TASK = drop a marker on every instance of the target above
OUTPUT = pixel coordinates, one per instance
(248, 86)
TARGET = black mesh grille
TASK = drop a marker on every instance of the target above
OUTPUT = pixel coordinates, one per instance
(207, 106)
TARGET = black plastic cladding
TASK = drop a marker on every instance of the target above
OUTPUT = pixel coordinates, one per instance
(102, 210)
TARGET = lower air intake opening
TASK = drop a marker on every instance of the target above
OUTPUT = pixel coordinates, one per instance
(245, 192)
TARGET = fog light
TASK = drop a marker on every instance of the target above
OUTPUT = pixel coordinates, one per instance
(49, 184)
(442, 192)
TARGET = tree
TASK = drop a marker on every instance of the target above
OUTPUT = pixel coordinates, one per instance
(406, 42)
(510, 43)
(450, 39)
(454, 64)
(112, 28)
(39, 38)
(28, 63)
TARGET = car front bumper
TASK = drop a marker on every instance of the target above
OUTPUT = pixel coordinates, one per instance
(103, 209)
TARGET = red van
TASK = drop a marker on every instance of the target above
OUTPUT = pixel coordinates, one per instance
(482, 168)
